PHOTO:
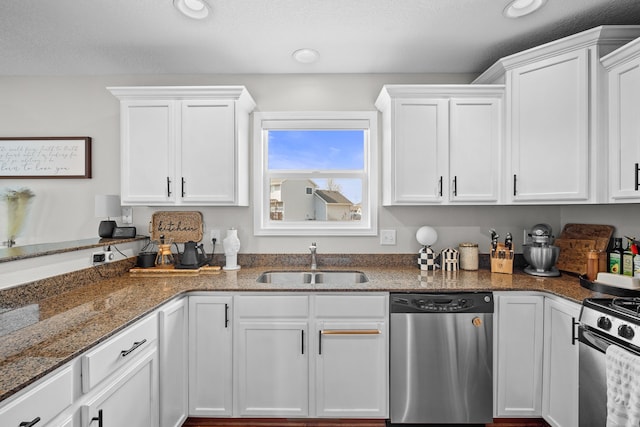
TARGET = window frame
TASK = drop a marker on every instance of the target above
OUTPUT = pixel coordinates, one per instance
(365, 120)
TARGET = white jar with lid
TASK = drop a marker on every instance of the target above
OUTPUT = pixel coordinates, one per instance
(468, 256)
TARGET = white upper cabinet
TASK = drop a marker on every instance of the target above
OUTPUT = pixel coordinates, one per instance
(623, 70)
(184, 146)
(441, 143)
(556, 117)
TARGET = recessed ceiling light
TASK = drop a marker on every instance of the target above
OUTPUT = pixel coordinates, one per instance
(196, 9)
(306, 56)
(519, 8)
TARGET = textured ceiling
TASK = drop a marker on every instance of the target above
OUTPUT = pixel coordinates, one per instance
(80, 37)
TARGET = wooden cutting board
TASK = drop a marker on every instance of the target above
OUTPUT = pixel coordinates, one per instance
(575, 242)
(179, 226)
(172, 272)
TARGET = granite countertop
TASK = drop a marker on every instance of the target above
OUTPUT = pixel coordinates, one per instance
(42, 330)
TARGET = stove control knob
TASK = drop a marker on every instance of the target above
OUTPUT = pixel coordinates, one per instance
(626, 331)
(604, 323)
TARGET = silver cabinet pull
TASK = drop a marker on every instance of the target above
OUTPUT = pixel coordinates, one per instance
(125, 353)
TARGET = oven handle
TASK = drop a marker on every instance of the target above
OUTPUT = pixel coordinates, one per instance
(599, 342)
(595, 341)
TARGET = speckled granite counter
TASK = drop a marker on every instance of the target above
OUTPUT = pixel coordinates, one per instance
(55, 326)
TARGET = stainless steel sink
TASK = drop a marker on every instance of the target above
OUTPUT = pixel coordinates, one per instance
(306, 277)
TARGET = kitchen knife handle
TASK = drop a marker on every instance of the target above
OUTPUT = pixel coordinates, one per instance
(637, 177)
(515, 180)
(30, 423)
(455, 185)
(168, 187)
(182, 186)
(440, 185)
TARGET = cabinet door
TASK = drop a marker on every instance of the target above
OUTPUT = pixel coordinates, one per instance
(560, 392)
(624, 132)
(131, 399)
(419, 156)
(173, 364)
(210, 356)
(519, 362)
(147, 152)
(208, 152)
(273, 368)
(475, 149)
(550, 129)
(351, 369)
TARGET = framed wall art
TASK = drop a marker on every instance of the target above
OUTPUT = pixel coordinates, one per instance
(45, 157)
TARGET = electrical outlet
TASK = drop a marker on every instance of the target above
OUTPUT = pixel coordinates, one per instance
(215, 234)
(387, 237)
(102, 257)
(127, 215)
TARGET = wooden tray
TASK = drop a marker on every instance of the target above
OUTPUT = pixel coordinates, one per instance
(179, 226)
(575, 242)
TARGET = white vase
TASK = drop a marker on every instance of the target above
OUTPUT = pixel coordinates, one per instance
(231, 245)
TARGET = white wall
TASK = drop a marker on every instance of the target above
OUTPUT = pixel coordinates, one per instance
(81, 106)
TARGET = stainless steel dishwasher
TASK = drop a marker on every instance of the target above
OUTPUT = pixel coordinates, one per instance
(441, 358)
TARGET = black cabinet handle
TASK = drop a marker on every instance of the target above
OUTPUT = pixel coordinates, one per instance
(226, 315)
(637, 177)
(574, 337)
(182, 188)
(441, 186)
(98, 418)
(135, 345)
(455, 185)
(514, 184)
(302, 340)
(319, 342)
(168, 187)
(29, 423)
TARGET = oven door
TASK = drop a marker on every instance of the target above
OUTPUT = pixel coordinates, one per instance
(592, 398)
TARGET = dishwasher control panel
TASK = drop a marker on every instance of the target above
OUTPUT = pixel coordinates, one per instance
(467, 302)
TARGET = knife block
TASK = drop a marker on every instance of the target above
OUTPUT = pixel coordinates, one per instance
(501, 260)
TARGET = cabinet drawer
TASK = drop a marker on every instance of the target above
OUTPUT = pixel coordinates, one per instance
(272, 306)
(44, 401)
(107, 358)
(351, 306)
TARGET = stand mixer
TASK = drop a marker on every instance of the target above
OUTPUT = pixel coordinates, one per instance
(539, 252)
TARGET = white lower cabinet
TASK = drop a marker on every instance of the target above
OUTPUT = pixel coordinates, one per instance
(129, 399)
(173, 355)
(41, 403)
(272, 355)
(352, 358)
(560, 374)
(518, 365)
(210, 356)
(340, 370)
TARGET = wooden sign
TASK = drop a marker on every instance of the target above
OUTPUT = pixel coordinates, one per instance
(45, 157)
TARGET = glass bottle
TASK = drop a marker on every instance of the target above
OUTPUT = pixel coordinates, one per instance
(627, 261)
(615, 256)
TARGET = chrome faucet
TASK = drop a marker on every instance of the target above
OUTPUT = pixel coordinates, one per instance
(313, 249)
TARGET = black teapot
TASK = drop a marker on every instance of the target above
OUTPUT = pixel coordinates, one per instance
(192, 256)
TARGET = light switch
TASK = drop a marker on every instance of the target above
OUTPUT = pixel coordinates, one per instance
(127, 215)
(387, 237)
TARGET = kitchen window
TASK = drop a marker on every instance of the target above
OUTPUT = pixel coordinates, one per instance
(315, 173)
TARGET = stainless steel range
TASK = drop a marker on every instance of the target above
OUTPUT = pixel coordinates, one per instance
(603, 322)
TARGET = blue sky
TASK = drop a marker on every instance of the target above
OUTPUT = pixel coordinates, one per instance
(314, 150)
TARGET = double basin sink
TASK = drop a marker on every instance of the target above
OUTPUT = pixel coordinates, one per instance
(313, 277)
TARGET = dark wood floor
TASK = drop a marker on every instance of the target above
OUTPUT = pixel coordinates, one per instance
(283, 422)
